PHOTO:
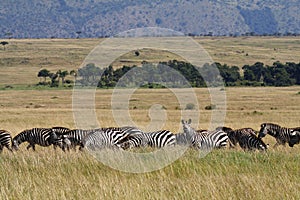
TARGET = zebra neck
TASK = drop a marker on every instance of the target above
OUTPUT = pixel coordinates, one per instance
(20, 138)
(274, 131)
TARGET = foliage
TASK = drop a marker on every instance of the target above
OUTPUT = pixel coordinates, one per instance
(228, 17)
(90, 75)
(54, 77)
(4, 43)
(179, 74)
(190, 106)
(210, 107)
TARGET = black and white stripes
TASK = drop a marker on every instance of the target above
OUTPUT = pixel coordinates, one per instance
(156, 139)
(245, 137)
(109, 137)
(204, 139)
(282, 135)
(5, 140)
(132, 137)
(40, 136)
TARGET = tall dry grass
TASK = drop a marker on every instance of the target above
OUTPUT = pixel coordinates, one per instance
(222, 174)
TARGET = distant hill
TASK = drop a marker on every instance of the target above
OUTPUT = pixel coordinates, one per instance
(98, 18)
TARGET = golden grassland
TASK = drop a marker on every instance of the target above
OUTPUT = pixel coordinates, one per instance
(222, 174)
(23, 58)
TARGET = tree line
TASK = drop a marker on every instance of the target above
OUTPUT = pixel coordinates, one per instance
(180, 74)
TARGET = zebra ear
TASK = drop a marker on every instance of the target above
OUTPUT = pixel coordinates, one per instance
(263, 125)
(190, 121)
(182, 121)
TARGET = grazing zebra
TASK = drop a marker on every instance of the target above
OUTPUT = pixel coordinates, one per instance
(5, 140)
(40, 136)
(204, 140)
(73, 138)
(157, 139)
(295, 137)
(246, 137)
(109, 137)
(77, 136)
(282, 135)
(61, 141)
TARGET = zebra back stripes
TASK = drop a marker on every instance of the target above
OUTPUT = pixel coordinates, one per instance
(61, 140)
(40, 136)
(156, 139)
(5, 140)
(204, 139)
(109, 137)
(282, 135)
(245, 137)
(75, 137)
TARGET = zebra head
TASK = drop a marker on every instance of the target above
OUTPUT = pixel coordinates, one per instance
(124, 145)
(294, 138)
(188, 130)
(263, 130)
(15, 145)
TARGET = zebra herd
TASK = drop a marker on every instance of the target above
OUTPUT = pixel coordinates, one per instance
(131, 137)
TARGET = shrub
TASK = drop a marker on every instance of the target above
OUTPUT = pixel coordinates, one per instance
(210, 107)
(190, 106)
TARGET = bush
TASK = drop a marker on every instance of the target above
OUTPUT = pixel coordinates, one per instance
(210, 107)
(190, 106)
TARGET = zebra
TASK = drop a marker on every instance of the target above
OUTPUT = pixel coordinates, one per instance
(61, 141)
(156, 139)
(41, 136)
(204, 140)
(295, 137)
(246, 137)
(77, 136)
(282, 135)
(73, 138)
(5, 140)
(110, 137)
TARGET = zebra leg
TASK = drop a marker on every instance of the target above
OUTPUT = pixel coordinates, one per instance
(31, 145)
(9, 148)
(28, 147)
(1, 148)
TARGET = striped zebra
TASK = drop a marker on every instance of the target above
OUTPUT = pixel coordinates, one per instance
(40, 136)
(295, 137)
(204, 140)
(5, 140)
(61, 140)
(282, 135)
(77, 136)
(245, 137)
(156, 139)
(109, 137)
(73, 138)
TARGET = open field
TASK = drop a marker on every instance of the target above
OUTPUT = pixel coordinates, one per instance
(23, 58)
(222, 174)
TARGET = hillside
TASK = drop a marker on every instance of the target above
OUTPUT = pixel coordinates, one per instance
(98, 18)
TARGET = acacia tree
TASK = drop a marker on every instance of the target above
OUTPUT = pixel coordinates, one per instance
(44, 73)
(4, 43)
(74, 73)
(62, 74)
(54, 82)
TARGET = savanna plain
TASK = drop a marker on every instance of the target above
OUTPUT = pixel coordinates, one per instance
(221, 174)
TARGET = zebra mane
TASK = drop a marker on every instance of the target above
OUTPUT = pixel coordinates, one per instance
(20, 137)
(271, 124)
